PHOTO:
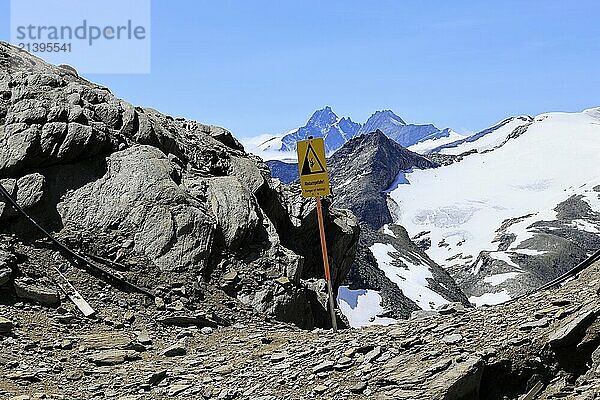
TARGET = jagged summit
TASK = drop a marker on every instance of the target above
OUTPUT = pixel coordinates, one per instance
(323, 118)
(336, 131)
(382, 119)
(326, 124)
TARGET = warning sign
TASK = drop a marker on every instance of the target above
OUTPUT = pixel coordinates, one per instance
(313, 168)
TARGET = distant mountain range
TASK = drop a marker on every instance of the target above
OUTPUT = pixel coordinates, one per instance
(337, 131)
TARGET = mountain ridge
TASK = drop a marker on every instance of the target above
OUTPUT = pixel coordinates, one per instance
(336, 131)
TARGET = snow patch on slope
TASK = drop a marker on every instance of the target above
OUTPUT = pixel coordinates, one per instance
(268, 147)
(426, 146)
(485, 140)
(412, 278)
(362, 307)
(499, 279)
(490, 298)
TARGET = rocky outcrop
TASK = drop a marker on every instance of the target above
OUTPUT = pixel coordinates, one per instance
(27, 191)
(139, 196)
(179, 200)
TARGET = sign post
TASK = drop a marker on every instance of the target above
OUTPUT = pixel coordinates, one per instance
(314, 182)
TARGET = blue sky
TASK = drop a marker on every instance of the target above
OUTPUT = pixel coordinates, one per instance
(264, 66)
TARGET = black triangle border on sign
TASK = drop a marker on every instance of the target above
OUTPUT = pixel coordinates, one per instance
(310, 148)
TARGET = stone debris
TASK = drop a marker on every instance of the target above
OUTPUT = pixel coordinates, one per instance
(31, 291)
(568, 333)
(6, 325)
(540, 323)
(452, 339)
(113, 357)
(175, 350)
(323, 367)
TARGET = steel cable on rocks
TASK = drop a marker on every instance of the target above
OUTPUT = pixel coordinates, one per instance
(114, 278)
(562, 278)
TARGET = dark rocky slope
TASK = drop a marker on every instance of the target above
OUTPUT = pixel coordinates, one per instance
(364, 168)
(361, 172)
(180, 203)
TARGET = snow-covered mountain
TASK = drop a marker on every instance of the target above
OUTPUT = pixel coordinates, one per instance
(268, 147)
(337, 131)
(518, 207)
(399, 131)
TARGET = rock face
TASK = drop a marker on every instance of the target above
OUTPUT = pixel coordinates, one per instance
(27, 191)
(179, 200)
(138, 195)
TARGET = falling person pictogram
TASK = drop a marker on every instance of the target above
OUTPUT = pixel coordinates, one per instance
(311, 164)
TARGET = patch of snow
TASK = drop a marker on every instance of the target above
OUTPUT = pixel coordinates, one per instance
(412, 280)
(268, 147)
(361, 307)
(523, 229)
(477, 267)
(529, 252)
(592, 197)
(388, 231)
(584, 225)
(503, 256)
(499, 279)
(490, 298)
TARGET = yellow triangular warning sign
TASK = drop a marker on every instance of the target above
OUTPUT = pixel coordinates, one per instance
(312, 167)
(311, 164)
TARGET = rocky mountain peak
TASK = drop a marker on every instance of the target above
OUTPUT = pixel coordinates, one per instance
(323, 118)
(370, 163)
(326, 124)
(383, 116)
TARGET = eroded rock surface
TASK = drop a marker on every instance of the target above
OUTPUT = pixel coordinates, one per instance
(177, 204)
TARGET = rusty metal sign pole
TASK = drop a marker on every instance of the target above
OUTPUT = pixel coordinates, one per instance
(314, 181)
(326, 263)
